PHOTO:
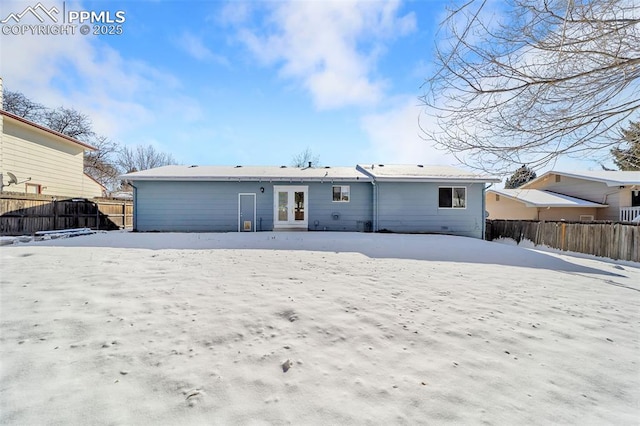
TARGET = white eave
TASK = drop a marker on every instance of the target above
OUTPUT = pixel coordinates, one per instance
(541, 198)
(422, 173)
(608, 177)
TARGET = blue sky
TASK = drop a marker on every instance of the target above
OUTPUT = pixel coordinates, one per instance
(242, 82)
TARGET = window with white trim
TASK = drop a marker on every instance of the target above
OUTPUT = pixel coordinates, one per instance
(454, 197)
(33, 188)
(341, 193)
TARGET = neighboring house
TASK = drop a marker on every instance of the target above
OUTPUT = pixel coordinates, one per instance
(535, 204)
(590, 195)
(363, 198)
(43, 161)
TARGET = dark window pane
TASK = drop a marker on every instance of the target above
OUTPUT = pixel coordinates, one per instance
(445, 197)
(336, 193)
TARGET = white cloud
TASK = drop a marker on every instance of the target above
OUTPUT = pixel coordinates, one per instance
(195, 47)
(82, 72)
(329, 47)
(395, 136)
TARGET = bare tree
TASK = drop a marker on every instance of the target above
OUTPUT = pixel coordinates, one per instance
(70, 122)
(17, 103)
(305, 158)
(100, 164)
(108, 160)
(142, 158)
(533, 80)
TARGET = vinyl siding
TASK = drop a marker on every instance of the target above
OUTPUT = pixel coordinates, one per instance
(507, 208)
(413, 207)
(571, 214)
(352, 215)
(198, 206)
(213, 206)
(589, 190)
(91, 188)
(54, 164)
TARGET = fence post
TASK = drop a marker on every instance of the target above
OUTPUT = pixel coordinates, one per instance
(55, 214)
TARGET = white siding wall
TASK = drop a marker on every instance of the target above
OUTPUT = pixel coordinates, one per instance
(91, 188)
(49, 161)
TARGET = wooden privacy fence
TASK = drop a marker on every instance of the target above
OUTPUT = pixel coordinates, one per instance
(26, 214)
(606, 239)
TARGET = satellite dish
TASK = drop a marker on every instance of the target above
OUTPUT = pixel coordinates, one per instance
(12, 179)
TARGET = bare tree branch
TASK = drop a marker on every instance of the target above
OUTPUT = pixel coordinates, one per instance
(70, 122)
(142, 158)
(533, 81)
(18, 104)
(305, 159)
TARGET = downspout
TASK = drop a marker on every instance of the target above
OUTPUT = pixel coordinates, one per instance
(135, 208)
(604, 201)
(375, 206)
(374, 187)
(484, 210)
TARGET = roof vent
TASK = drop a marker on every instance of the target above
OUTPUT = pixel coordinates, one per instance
(193, 165)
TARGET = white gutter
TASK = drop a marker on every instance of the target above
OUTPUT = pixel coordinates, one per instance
(327, 179)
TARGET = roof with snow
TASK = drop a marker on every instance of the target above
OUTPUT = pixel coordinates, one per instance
(392, 173)
(422, 173)
(540, 198)
(247, 173)
(608, 177)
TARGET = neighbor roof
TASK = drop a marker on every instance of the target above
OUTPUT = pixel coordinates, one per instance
(608, 177)
(46, 129)
(540, 198)
(248, 173)
(421, 173)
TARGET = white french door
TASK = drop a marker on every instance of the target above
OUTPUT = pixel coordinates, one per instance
(290, 207)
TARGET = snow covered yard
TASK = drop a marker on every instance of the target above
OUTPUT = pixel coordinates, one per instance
(126, 328)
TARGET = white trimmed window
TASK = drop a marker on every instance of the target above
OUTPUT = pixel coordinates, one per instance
(341, 193)
(33, 188)
(454, 197)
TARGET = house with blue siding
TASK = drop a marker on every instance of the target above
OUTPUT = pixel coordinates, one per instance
(427, 199)
(393, 198)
